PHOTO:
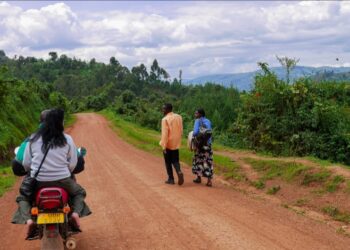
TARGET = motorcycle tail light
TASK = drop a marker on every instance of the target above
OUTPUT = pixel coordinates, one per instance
(66, 209)
(34, 211)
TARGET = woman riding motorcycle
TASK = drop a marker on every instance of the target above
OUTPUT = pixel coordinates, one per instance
(56, 170)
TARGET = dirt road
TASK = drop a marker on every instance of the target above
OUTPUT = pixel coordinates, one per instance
(134, 209)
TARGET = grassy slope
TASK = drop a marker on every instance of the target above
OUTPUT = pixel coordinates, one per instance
(17, 121)
(7, 179)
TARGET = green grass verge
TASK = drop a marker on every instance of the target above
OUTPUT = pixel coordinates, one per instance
(259, 184)
(70, 120)
(290, 171)
(333, 184)
(7, 179)
(325, 163)
(273, 190)
(336, 214)
(318, 177)
(301, 202)
(270, 169)
(347, 189)
(148, 140)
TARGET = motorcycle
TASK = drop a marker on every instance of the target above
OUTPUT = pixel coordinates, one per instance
(51, 212)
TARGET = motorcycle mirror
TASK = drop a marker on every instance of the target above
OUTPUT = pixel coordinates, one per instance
(16, 150)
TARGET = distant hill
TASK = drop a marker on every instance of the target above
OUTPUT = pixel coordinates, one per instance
(332, 76)
(244, 81)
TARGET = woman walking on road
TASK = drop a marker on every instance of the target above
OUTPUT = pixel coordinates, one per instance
(202, 163)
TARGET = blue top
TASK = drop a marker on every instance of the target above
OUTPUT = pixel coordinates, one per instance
(197, 125)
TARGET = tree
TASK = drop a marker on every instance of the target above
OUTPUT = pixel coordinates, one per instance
(3, 83)
(113, 61)
(92, 62)
(2, 54)
(140, 72)
(164, 73)
(53, 56)
(3, 57)
(288, 64)
(155, 70)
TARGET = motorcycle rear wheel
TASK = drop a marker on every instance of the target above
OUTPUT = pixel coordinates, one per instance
(55, 243)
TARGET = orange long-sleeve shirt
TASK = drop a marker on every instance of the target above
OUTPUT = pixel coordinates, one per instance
(172, 130)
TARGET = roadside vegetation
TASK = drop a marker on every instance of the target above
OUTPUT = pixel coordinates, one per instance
(297, 173)
(302, 187)
(304, 118)
(21, 102)
(7, 179)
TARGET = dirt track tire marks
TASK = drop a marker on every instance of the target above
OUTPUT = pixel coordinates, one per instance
(134, 209)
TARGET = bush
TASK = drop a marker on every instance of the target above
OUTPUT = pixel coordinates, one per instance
(297, 119)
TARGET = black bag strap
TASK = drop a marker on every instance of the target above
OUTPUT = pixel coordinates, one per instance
(201, 123)
(42, 161)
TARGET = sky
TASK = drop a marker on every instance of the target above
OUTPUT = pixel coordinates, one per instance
(198, 37)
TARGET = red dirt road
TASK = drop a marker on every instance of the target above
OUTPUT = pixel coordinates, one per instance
(134, 209)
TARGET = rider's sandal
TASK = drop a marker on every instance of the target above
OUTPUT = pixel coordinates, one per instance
(33, 232)
(73, 226)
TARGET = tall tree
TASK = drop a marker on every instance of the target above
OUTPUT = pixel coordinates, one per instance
(53, 56)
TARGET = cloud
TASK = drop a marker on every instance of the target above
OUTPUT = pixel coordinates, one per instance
(197, 37)
(53, 26)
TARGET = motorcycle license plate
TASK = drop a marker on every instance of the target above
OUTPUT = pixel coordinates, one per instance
(50, 218)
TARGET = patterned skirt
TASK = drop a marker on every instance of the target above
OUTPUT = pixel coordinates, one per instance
(202, 163)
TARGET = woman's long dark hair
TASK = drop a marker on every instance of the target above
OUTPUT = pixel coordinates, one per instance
(52, 130)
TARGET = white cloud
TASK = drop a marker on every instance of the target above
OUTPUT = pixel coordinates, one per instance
(197, 37)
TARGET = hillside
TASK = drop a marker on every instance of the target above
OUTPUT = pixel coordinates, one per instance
(244, 81)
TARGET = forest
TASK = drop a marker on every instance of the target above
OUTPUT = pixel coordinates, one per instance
(308, 116)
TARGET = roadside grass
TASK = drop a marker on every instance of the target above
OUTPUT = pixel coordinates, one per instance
(301, 202)
(273, 190)
(259, 184)
(342, 231)
(270, 169)
(290, 171)
(70, 120)
(148, 140)
(333, 184)
(336, 214)
(322, 163)
(325, 163)
(347, 188)
(317, 177)
(7, 179)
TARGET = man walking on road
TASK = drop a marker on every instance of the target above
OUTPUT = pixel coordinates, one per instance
(170, 142)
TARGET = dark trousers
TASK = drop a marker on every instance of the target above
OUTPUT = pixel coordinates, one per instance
(172, 159)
